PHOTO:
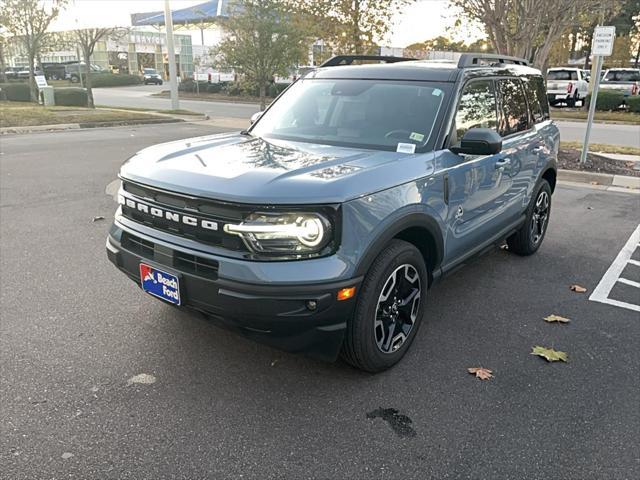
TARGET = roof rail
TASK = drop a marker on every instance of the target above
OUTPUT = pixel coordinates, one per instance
(349, 59)
(479, 59)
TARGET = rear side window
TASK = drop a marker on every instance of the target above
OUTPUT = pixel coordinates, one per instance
(562, 75)
(623, 76)
(512, 104)
(537, 97)
(477, 107)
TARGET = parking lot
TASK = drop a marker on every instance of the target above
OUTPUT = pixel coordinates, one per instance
(76, 337)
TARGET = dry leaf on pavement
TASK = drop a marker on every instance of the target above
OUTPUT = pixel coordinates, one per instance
(549, 354)
(556, 318)
(577, 289)
(481, 373)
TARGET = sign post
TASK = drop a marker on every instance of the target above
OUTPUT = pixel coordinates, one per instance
(602, 46)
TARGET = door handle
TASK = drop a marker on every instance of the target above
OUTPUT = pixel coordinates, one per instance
(505, 162)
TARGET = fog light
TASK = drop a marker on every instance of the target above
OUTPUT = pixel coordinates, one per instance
(312, 304)
(346, 293)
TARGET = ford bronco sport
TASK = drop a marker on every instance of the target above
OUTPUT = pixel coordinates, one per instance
(321, 228)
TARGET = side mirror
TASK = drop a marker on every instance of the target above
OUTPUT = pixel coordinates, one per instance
(479, 141)
(255, 117)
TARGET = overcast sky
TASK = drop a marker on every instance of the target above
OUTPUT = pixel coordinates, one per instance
(420, 21)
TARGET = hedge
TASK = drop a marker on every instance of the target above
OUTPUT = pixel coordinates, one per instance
(607, 100)
(113, 80)
(16, 92)
(70, 97)
(633, 103)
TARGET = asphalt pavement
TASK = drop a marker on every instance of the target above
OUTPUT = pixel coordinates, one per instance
(140, 96)
(99, 380)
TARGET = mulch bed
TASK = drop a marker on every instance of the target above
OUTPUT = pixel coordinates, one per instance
(569, 159)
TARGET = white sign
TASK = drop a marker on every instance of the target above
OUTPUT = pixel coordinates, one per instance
(41, 81)
(603, 38)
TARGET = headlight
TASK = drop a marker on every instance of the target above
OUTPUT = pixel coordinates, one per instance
(287, 234)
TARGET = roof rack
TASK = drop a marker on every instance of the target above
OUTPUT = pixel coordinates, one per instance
(349, 59)
(478, 59)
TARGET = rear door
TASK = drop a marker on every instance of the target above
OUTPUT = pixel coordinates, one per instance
(520, 144)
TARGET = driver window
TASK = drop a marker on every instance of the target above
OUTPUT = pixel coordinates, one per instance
(476, 109)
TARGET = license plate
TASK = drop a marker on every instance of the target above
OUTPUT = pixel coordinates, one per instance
(160, 284)
(558, 97)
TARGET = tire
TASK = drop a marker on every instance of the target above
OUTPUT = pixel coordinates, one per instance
(529, 237)
(372, 340)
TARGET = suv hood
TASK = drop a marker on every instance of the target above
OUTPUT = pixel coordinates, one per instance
(245, 169)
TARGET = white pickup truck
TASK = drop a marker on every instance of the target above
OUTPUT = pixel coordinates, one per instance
(567, 85)
(625, 80)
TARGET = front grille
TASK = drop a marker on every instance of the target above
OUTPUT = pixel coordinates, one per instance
(184, 262)
(218, 212)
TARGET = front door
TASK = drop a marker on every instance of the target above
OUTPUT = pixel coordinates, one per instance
(477, 185)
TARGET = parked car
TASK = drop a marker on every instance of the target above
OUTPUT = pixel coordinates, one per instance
(625, 80)
(150, 75)
(23, 72)
(12, 72)
(321, 228)
(55, 71)
(74, 69)
(567, 85)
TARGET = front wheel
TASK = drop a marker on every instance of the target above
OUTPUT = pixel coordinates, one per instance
(389, 309)
(529, 237)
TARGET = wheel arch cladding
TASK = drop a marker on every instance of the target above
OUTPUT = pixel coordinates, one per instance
(420, 230)
(550, 176)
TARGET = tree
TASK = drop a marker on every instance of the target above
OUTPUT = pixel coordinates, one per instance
(27, 21)
(529, 28)
(264, 38)
(86, 39)
(351, 26)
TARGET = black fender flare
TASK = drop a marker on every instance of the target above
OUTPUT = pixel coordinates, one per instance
(399, 222)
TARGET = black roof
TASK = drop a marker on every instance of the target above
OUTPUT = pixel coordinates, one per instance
(468, 65)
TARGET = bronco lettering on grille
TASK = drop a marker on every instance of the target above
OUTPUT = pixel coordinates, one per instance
(167, 214)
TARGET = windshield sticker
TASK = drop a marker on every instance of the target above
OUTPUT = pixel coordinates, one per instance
(436, 92)
(406, 148)
(418, 137)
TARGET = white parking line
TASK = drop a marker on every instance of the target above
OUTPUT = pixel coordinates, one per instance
(612, 276)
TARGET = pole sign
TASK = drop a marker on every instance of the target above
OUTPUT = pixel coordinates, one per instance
(602, 46)
(603, 38)
(41, 81)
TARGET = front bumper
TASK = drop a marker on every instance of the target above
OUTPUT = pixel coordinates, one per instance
(277, 315)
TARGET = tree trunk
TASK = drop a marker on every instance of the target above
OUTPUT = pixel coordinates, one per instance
(87, 81)
(586, 58)
(3, 66)
(33, 90)
(263, 95)
(636, 61)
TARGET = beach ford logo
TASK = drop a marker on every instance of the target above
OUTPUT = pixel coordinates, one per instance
(169, 215)
(160, 284)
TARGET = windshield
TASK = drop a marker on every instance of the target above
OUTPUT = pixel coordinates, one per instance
(150, 71)
(377, 114)
(623, 76)
(562, 75)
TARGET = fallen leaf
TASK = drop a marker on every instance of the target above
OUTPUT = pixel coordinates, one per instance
(549, 354)
(481, 373)
(594, 183)
(99, 217)
(142, 378)
(556, 318)
(577, 289)
(589, 208)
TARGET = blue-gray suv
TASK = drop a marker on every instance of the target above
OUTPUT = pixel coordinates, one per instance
(321, 228)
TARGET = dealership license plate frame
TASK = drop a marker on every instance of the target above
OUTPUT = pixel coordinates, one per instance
(171, 275)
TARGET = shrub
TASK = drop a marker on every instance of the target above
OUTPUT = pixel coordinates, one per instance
(607, 100)
(16, 92)
(213, 88)
(633, 103)
(70, 97)
(113, 80)
(276, 89)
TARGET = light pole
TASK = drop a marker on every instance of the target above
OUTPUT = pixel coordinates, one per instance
(173, 72)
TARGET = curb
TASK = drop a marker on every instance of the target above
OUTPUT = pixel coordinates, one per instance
(601, 181)
(76, 126)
